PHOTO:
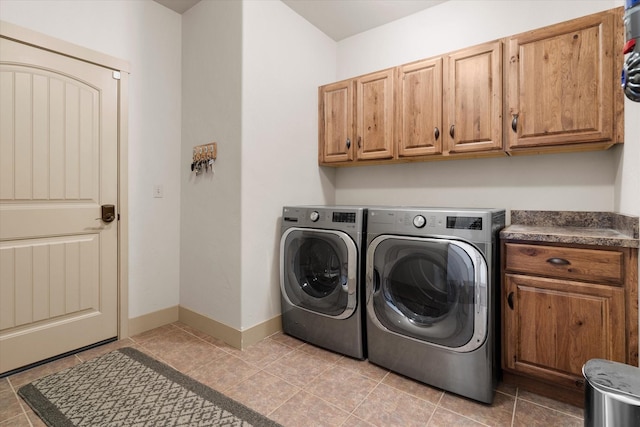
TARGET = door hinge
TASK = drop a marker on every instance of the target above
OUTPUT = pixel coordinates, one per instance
(116, 75)
(118, 217)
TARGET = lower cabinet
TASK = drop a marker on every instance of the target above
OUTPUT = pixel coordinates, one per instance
(562, 306)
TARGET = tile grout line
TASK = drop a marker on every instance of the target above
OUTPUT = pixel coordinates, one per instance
(352, 413)
(549, 408)
(436, 406)
(515, 406)
(20, 402)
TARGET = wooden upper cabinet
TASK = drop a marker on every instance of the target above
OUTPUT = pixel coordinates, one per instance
(473, 99)
(560, 94)
(561, 83)
(419, 108)
(335, 122)
(374, 115)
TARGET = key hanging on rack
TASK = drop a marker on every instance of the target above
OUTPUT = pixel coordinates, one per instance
(204, 157)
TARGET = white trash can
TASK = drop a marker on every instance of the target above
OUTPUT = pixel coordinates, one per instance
(612, 394)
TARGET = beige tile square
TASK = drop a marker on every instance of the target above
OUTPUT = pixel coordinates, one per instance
(509, 389)
(262, 392)
(167, 342)
(341, 387)
(327, 355)
(153, 333)
(287, 340)
(387, 406)
(354, 421)
(263, 353)
(529, 414)
(364, 367)
(414, 388)
(550, 403)
(202, 335)
(444, 418)
(17, 421)
(499, 413)
(305, 409)
(4, 385)
(9, 405)
(224, 373)
(192, 356)
(298, 368)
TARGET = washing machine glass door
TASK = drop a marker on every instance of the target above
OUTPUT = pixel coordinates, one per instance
(318, 271)
(433, 290)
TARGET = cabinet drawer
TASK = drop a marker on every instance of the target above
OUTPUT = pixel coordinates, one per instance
(570, 263)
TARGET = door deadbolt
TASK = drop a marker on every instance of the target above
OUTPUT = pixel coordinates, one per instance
(108, 213)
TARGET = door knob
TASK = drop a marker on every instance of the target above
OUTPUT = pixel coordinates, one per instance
(108, 213)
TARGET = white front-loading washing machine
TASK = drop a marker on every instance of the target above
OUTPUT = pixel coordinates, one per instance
(431, 278)
(322, 276)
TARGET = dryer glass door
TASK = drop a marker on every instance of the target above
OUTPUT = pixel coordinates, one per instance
(318, 271)
(433, 290)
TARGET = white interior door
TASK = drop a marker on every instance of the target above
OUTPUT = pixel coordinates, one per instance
(58, 165)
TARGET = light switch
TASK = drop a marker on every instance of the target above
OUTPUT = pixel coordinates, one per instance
(158, 191)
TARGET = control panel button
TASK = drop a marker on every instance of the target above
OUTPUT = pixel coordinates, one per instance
(314, 216)
(419, 221)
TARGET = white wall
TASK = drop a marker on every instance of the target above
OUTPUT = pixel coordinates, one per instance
(148, 36)
(603, 181)
(249, 84)
(285, 59)
(210, 267)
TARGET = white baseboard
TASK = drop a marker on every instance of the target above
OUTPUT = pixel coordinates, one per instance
(232, 336)
(146, 322)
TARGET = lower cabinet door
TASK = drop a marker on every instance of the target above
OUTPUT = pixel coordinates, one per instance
(552, 327)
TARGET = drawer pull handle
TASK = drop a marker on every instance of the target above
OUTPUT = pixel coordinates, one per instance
(510, 300)
(558, 261)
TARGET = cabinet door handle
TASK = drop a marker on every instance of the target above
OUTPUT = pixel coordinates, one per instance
(451, 131)
(510, 300)
(558, 261)
(514, 123)
(436, 133)
(359, 142)
(348, 143)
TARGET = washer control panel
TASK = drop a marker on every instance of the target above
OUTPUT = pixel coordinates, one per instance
(341, 218)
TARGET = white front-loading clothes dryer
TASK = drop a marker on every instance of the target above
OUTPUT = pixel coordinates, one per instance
(431, 277)
(322, 276)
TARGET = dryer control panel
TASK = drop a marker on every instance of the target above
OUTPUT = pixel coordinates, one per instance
(476, 225)
(344, 217)
(464, 222)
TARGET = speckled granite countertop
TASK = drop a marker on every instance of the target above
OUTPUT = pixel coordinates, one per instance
(584, 228)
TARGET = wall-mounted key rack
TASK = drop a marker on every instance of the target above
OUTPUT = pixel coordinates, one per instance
(203, 157)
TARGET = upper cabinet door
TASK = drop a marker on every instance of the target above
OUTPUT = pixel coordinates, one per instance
(374, 115)
(419, 108)
(473, 99)
(561, 83)
(335, 122)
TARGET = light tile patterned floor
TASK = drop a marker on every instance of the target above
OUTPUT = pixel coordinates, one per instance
(297, 384)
